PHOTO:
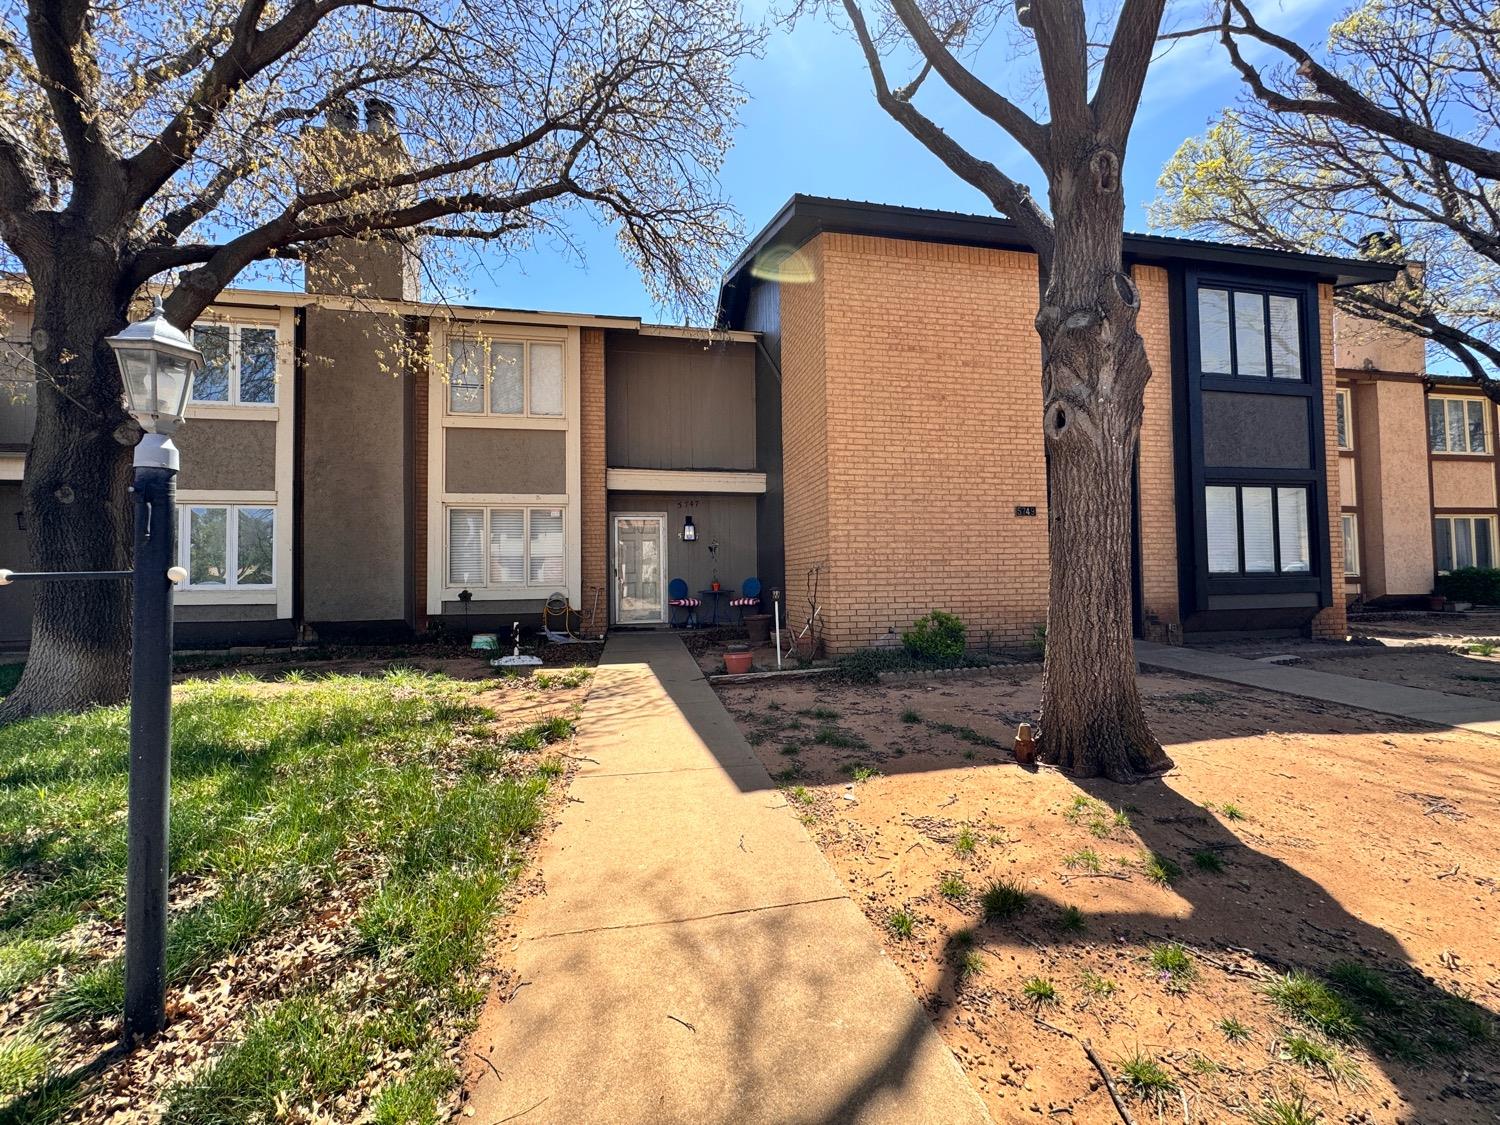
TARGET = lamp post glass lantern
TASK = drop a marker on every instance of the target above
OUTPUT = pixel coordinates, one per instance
(157, 365)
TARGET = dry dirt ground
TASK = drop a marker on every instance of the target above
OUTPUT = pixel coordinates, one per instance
(1291, 837)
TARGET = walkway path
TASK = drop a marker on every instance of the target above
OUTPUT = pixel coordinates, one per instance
(694, 959)
(1433, 707)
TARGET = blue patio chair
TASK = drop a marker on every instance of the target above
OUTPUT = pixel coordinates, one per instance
(749, 598)
(678, 598)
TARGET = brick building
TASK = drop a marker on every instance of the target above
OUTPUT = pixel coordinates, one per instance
(866, 418)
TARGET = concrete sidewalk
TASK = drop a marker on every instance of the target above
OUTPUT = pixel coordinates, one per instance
(694, 959)
(1433, 707)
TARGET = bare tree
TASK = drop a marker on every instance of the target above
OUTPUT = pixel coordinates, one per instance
(176, 149)
(1389, 146)
(1095, 368)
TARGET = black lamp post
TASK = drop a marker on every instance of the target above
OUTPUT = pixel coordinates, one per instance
(157, 363)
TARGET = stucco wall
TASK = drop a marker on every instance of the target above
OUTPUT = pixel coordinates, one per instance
(494, 461)
(1459, 482)
(354, 497)
(679, 403)
(1391, 443)
(1332, 620)
(1365, 344)
(221, 453)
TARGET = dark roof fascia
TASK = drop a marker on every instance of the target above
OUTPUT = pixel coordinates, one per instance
(805, 216)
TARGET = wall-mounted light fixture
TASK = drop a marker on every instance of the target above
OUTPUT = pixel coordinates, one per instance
(689, 532)
(20, 521)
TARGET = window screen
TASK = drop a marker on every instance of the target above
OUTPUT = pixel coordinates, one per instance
(546, 379)
(466, 376)
(507, 391)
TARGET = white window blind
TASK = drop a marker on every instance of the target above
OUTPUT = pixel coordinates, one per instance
(465, 546)
(1250, 334)
(466, 376)
(507, 386)
(1255, 508)
(1291, 524)
(546, 379)
(507, 546)
(1351, 544)
(1213, 331)
(1223, 530)
(1286, 338)
(546, 546)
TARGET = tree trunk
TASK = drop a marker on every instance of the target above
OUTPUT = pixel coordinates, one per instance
(76, 487)
(1093, 385)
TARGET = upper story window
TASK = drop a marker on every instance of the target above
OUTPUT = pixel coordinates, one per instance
(1457, 424)
(239, 364)
(1343, 419)
(515, 378)
(1249, 334)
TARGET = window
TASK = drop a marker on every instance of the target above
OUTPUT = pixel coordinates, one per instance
(505, 377)
(1457, 425)
(1256, 530)
(1249, 334)
(1342, 419)
(1465, 541)
(1350, 522)
(506, 547)
(227, 546)
(239, 364)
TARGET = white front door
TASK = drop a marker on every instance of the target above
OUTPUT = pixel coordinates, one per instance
(640, 569)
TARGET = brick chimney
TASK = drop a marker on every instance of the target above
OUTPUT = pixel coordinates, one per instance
(381, 265)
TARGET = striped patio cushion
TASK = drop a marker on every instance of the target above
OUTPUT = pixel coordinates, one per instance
(744, 601)
(687, 603)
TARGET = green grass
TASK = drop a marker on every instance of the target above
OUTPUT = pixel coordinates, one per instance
(1286, 1109)
(967, 734)
(10, 676)
(910, 716)
(1095, 985)
(1309, 1001)
(1317, 1054)
(273, 795)
(1159, 869)
(823, 714)
(861, 772)
(1173, 965)
(800, 794)
(1070, 920)
(1209, 861)
(971, 964)
(901, 923)
(1100, 820)
(1368, 986)
(1145, 1078)
(1231, 811)
(1004, 898)
(1480, 648)
(1040, 991)
(966, 841)
(953, 887)
(1085, 859)
(1233, 1030)
(576, 676)
(838, 738)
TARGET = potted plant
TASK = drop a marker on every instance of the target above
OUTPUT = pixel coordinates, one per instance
(737, 660)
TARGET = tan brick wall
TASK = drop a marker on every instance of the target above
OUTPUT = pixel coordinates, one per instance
(594, 548)
(1157, 529)
(927, 417)
(804, 442)
(1332, 621)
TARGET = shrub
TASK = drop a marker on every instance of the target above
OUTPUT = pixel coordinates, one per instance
(1470, 584)
(938, 637)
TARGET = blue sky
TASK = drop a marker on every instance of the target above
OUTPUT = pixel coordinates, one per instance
(812, 126)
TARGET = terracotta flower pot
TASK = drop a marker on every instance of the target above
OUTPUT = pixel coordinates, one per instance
(714, 586)
(758, 628)
(736, 663)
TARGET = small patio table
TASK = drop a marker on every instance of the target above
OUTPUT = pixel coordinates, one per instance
(717, 596)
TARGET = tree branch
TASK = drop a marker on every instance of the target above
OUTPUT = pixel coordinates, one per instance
(1031, 135)
(1343, 102)
(1125, 66)
(1006, 195)
(1062, 47)
(57, 29)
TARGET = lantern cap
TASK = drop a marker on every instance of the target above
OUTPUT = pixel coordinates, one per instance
(157, 333)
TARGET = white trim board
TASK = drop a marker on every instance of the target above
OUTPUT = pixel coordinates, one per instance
(683, 480)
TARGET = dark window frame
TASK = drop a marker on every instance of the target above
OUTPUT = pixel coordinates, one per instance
(1239, 525)
(1199, 586)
